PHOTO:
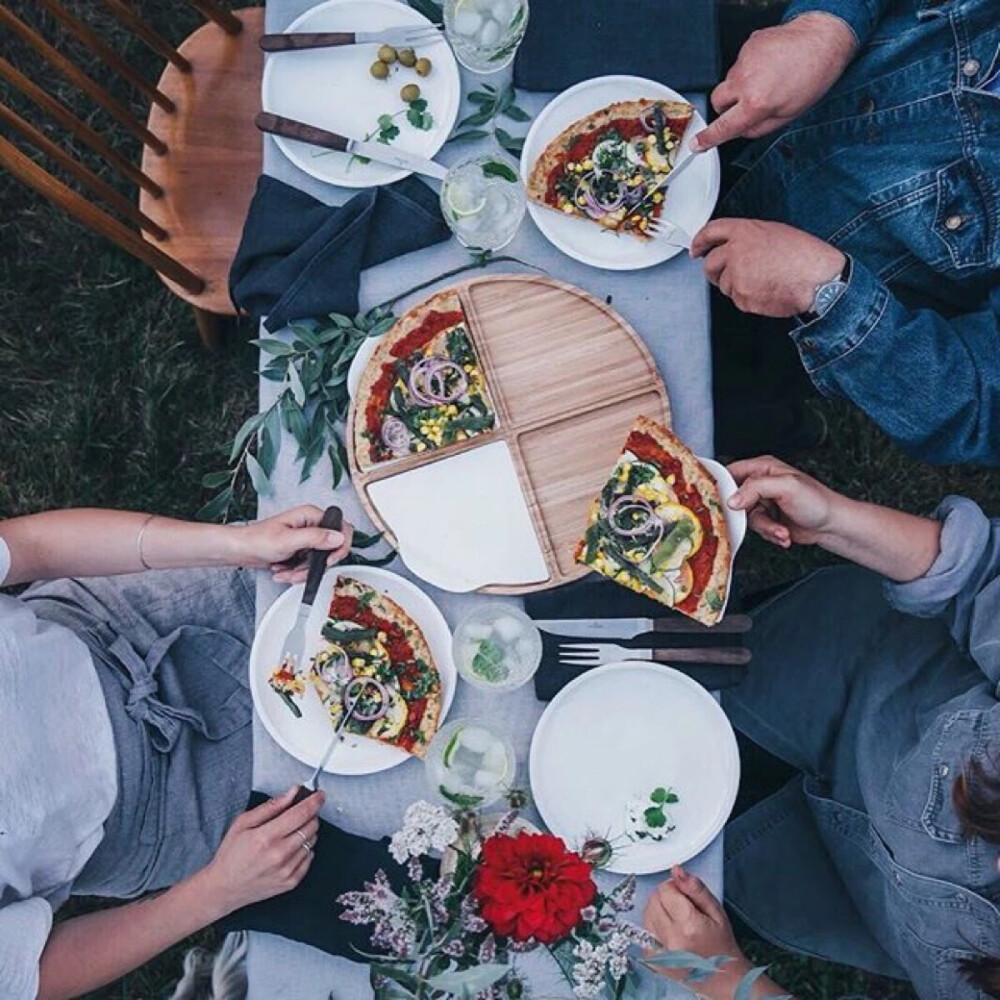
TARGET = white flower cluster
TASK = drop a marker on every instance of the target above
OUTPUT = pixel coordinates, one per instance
(588, 970)
(426, 827)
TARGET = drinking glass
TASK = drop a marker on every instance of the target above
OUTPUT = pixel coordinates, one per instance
(483, 200)
(497, 647)
(470, 765)
(485, 34)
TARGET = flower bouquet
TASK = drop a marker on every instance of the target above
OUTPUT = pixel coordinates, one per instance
(456, 929)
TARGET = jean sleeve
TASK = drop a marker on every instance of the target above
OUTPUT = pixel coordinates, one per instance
(931, 383)
(861, 16)
(962, 588)
(24, 929)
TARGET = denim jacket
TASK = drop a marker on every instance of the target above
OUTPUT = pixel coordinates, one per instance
(899, 167)
(882, 695)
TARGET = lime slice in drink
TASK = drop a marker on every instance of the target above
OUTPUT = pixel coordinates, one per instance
(463, 201)
(449, 750)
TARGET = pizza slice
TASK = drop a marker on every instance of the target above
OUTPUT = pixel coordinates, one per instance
(658, 526)
(372, 649)
(424, 389)
(606, 166)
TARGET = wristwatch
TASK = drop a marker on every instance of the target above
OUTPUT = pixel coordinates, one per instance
(827, 294)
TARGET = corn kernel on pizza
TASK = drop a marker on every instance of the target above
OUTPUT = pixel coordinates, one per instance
(658, 526)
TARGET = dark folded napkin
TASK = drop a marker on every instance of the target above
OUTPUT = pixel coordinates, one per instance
(673, 41)
(300, 258)
(602, 599)
(310, 913)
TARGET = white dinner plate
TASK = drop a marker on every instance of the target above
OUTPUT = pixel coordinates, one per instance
(333, 88)
(736, 520)
(688, 203)
(307, 738)
(614, 735)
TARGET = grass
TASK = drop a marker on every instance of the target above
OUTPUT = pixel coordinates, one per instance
(107, 399)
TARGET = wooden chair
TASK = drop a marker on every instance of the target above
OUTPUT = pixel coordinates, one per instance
(201, 153)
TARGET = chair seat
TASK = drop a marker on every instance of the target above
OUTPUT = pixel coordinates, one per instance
(213, 156)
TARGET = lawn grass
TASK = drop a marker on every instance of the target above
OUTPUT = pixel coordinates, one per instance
(107, 399)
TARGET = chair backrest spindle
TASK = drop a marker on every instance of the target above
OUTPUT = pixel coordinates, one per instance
(140, 29)
(225, 19)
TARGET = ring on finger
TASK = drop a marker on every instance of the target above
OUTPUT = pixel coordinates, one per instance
(305, 841)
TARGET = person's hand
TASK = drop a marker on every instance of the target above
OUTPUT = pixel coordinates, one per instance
(266, 851)
(271, 543)
(780, 72)
(766, 268)
(784, 506)
(684, 916)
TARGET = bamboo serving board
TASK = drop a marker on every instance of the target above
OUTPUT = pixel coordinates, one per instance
(568, 378)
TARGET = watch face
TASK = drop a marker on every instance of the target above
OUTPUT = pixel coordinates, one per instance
(827, 294)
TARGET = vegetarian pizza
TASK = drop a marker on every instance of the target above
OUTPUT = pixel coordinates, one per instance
(658, 526)
(606, 167)
(424, 389)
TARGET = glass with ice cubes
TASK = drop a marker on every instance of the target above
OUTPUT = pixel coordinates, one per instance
(497, 647)
(485, 34)
(470, 765)
(483, 200)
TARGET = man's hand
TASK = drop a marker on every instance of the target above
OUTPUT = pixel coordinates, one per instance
(766, 268)
(780, 73)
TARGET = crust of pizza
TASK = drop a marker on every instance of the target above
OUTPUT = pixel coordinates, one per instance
(387, 609)
(554, 153)
(711, 599)
(446, 301)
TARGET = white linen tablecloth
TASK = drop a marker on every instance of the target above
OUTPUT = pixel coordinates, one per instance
(668, 306)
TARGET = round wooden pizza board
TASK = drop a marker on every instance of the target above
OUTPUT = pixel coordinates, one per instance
(568, 377)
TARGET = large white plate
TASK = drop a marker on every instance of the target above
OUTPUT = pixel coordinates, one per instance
(689, 202)
(307, 738)
(618, 732)
(333, 89)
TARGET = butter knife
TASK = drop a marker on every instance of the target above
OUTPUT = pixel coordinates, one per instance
(611, 629)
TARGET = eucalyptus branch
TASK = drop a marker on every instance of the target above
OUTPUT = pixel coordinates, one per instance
(493, 103)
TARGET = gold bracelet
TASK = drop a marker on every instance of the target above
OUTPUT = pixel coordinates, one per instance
(138, 541)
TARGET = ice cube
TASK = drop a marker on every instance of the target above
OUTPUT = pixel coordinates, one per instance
(502, 11)
(487, 779)
(477, 631)
(476, 740)
(489, 34)
(507, 627)
(525, 649)
(467, 22)
(495, 759)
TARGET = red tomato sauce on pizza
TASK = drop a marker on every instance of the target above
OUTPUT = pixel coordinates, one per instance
(378, 402)
(646, 449)
(350, 609)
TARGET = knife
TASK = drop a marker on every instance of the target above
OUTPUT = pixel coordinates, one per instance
(610, 629)
(291, 651)
(293, 41)
(291, 129)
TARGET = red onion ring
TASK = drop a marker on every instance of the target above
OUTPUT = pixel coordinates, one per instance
(648, 550)
(396, 435)
(629, 501)
(365, 683)
(428, 381)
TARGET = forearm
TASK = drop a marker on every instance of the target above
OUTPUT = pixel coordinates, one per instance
(900, 546)
(91, 542)
(87, 952)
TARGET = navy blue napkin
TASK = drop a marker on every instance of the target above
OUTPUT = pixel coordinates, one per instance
(310, 913)
(300, 258)
(673, 41)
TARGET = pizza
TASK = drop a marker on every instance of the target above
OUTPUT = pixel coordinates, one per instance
(658, 526)
(368, 636)
(424, 388)
(606, 166)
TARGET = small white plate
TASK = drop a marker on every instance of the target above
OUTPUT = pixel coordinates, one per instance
(616, 733)
(689, 202)
(736, 520)
(333, 88)
(307, 738)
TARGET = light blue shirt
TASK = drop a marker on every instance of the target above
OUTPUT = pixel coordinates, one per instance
(58, 780)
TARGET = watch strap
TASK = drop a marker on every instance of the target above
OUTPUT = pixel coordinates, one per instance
(844, 278)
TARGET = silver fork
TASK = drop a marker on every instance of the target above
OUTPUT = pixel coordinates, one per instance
(294, 40)
(669, 232)
(581, 654)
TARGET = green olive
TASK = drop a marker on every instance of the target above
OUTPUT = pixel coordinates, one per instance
(423, 66)
(407, 57)
(379, 70)
(387, 54)
(410, 93)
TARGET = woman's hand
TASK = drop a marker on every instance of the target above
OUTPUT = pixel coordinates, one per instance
(266, 851)
(784, 506)
(780, 73)
(271, 543)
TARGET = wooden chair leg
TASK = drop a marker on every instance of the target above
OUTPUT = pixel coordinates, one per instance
(209, 328)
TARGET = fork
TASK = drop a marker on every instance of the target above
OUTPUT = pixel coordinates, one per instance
(397, 37)
(667, 231)
(581, 654)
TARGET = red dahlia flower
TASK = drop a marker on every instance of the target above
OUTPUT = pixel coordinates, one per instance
(531, 886)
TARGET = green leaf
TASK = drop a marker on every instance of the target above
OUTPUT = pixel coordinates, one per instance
(354, 559)
(258, 476)
(336, 466)
(418, 105)
(364, 540)
(456, 798)
(476, 118)
(494, 168)
(295, 421)
(212, 480)
(469, 136)
(686, 960)
(249, 426)
(312, 456)
(344, 322)
(267, 450)
(744, 989)
(480, 97)
(658, 795)
(468, 982)
(276, 348)
(402, 976)
(671, 798)
(379, 327)
(295, 384)
(305, 333)
(517, 114)
(654, 817)
(273, 375)
(216, 508)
